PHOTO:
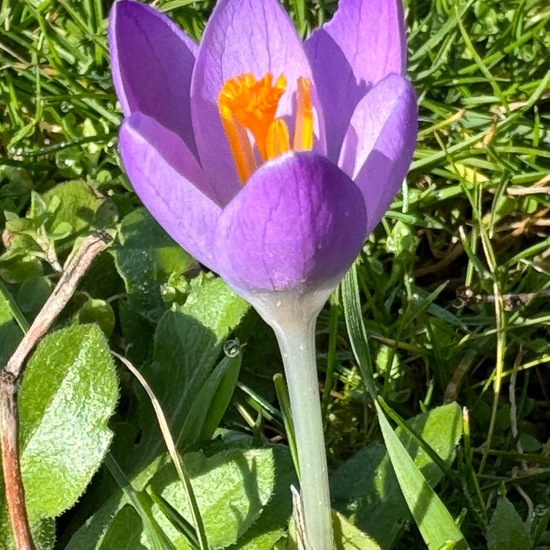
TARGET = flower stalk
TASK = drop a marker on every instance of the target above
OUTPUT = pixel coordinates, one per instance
(293, 317)
(297, 344)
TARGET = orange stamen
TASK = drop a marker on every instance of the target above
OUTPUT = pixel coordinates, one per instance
(247, 109)
(239, 143)
(253, 104)
(303, 130)
(278, 141)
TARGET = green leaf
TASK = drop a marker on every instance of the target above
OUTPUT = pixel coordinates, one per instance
(188, 341)
(356, 328)
(137, 331)
(77, 208)
(431, 516)
(348, 537)
(145, 257)
(61, 231)
(97, 311)
(43, 531)
(273, 521)
(68, 394)
(440, 429)
(90, 535)
(238, 483)
(124, 532)
(33, 294)
(232, 488)
(16, 269)
(116, 525)
(506, 530)
(366, 488)
(10, 333)
(211, 402)
(142, 504)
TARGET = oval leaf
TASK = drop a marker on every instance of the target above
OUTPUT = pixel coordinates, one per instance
(68, 394)
(232, 488)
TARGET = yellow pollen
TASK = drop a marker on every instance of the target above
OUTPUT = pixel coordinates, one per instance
(249, 105)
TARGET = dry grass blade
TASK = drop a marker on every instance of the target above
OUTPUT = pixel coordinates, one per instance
(171, 446)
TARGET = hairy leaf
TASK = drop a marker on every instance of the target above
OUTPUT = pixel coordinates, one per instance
(68, 394)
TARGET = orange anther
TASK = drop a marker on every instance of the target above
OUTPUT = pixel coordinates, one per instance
(253, 103)
(248, 108)
(239, 143)
(278, 141)
(303, 130)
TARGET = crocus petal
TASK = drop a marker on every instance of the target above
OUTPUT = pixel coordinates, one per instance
(161, 169)
(152, 63)
(244, 36)
(298, 224)
(364, 42)
(379, 144)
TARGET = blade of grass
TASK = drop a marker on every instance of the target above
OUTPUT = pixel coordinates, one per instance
(434, 521)
(142, 504)
(436, 525)
(176, 458)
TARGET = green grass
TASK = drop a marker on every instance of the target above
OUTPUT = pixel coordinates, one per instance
(454, 282)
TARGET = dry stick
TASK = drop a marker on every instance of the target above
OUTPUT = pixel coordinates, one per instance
(15, 494)
(75, 270)
(9, 379)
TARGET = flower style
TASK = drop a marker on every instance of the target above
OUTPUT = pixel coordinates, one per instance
(269, 160)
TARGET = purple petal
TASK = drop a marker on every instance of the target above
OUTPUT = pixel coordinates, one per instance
(364, 42)
(169, 181)
(297, 224)
(243, 36)
(152, 63)
(379, 144)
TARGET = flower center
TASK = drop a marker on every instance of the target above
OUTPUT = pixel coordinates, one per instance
(249, 105)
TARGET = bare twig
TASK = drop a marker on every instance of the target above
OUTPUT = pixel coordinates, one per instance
(10, 376)
(511, 301)
(62, 293)
(537, 187)
(521, 191)
(15, 494)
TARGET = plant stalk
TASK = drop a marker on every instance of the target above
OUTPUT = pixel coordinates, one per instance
(296, 337)
(292, 316)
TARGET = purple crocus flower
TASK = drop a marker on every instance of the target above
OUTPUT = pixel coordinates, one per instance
(266, 222)
(270, 161)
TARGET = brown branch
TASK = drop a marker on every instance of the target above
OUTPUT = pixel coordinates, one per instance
(15, 494)
(62, 293)
(10, 376)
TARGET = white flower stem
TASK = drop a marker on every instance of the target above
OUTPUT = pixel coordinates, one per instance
(297, 344)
